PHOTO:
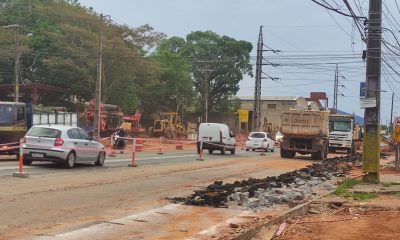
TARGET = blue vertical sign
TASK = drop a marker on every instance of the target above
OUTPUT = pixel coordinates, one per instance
(362, 89)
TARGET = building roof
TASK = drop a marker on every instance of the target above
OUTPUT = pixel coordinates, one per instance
(270, 98)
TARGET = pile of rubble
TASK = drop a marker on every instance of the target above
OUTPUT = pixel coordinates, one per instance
(291, 188)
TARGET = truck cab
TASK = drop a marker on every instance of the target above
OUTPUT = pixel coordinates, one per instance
(341, 133)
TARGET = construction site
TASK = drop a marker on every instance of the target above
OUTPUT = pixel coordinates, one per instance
(195, 123)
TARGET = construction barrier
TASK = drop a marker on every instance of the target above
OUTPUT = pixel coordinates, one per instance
(133, 163)
(21, 173)
(139, 145)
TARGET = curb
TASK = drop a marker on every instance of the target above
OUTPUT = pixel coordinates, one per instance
(299, 210)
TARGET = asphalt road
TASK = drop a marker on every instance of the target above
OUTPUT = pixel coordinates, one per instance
(8, 165)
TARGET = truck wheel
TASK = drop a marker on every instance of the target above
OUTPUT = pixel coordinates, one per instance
(173, 133)
(233, 151)
(283, 153)
(316, 155)
(353, 149)
(322, 155)
(210, 151)
(290, 154)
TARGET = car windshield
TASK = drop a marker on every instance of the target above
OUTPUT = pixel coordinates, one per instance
(5, 114)
(257, 135)
(340, 126)
(44, 132)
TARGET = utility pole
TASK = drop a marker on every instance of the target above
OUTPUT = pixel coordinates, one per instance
(371, 152)
(391, 116)
(335, 89)
(17, 65)
(206, 96)
(257, 91)
(17, 61)
(97, 109)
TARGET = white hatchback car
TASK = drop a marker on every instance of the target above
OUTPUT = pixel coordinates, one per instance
(64, 144)
(260, 140)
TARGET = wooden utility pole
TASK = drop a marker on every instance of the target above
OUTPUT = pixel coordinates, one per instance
(391, 116)
(371, 151)
(17, 61)
(97, 109)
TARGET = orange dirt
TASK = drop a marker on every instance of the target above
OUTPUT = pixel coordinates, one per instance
(390, 170)
(381, 225)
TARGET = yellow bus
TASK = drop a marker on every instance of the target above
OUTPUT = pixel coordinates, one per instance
(13, 126)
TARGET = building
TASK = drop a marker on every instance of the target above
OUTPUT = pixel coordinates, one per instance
(271, 109)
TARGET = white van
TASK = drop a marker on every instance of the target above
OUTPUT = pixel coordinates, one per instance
(215, 136)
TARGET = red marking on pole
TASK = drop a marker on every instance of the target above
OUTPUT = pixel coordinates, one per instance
(133, 164)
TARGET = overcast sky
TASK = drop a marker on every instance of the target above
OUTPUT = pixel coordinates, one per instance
(299, 28)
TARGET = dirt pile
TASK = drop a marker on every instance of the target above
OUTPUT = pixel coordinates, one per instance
(289, 187)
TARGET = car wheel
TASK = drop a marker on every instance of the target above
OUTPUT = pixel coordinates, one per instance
(247, 149)
(100, 159)
(273, 149)
(27, 162)
(71, 160)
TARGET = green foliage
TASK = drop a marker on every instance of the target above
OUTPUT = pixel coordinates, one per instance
(141, 69)
(174, 77)
(342, 190)
(59, 47)
(218, 62)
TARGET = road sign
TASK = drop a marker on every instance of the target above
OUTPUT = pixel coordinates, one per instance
(396, 134)
(367, 102)
(362, 90)
(243, 115)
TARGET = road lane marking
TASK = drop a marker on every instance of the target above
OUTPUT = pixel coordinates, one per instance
(106, 228)
(12, 168)
(150, 158)
(163, 157)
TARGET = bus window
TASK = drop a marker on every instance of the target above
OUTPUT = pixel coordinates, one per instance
(5, 114)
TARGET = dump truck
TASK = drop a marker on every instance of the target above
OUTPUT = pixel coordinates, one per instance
(305, 132)
(343, 133)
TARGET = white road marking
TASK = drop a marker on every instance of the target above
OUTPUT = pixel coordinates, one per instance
(150, 158)
(104, 228)
(13, 168)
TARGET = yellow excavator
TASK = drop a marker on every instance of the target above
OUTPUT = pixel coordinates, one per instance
(168, 126)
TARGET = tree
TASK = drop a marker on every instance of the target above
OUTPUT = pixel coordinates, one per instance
(218, 65)
(174, 75)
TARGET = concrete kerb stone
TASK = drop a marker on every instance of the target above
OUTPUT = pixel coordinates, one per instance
(21, 175)
(299, 210)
